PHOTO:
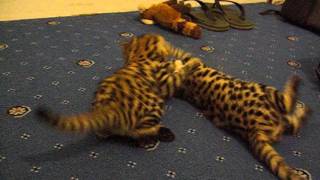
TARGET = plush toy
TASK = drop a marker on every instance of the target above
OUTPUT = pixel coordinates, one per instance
(167, 14)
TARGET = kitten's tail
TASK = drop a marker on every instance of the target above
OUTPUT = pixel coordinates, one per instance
(290, 93)
(286, 100)
(84, 122)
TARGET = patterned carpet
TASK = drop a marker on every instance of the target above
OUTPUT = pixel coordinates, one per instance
(59, 64)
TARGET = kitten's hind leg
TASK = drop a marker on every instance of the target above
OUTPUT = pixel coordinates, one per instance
(261, 147)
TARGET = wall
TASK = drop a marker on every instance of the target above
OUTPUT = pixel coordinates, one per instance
(22, 9)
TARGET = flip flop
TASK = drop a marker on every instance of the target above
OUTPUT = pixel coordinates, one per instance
(236, 19)
(318, 71)
(207, 18)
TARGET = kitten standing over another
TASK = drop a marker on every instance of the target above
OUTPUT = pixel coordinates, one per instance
(131, 101)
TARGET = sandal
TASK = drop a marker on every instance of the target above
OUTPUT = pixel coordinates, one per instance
(235, 18)
(318, 71)
(206, 18)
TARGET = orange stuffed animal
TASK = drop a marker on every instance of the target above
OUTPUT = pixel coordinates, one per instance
(167, 16)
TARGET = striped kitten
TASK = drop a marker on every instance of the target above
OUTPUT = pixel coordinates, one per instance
(130, 102)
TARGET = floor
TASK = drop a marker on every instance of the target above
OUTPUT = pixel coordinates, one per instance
(19, 9)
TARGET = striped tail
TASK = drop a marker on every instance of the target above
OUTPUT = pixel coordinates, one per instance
(84, 122)
(275, 162)
(187, 28)
(286, 100)
(290, 92)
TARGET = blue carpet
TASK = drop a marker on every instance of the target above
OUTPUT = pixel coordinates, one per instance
(39, 66)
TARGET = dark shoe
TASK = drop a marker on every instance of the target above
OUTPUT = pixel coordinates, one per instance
(318, 71)
(207, 18)
(236, 19)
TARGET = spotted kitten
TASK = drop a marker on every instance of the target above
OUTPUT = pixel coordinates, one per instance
(258, 113)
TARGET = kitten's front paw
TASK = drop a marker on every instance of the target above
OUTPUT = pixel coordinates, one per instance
(178, 65)
(193, 64)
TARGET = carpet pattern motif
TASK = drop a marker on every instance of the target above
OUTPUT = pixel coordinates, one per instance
(58, 62)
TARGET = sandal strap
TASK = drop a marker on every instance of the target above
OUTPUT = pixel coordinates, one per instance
(204, 8)
(179, 6)
(218, 5)
(318, 71)
(270, 11)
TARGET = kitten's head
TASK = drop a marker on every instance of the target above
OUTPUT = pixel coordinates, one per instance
(145, 48)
